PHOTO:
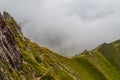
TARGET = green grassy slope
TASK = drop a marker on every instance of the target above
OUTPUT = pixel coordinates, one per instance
(105, 59)
(40, 63)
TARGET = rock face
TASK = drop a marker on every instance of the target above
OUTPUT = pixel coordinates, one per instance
(21, 59)
(9, 52)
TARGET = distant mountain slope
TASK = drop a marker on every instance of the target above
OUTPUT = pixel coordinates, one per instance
(105, 59)
(21, 59)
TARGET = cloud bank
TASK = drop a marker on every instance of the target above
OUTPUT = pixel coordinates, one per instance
(67, 26)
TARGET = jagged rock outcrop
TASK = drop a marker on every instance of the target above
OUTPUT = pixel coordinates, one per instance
(9, 52)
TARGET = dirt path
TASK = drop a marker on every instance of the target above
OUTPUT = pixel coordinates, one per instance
(39, 78)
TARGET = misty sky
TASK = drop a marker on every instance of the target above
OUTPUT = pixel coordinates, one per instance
(67, 26)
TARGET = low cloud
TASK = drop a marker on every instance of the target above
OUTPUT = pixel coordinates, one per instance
(67, 26)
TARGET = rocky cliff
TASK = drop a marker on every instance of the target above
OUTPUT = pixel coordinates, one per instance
(10, 55)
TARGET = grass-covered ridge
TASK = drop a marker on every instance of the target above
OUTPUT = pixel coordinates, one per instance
(40, 63)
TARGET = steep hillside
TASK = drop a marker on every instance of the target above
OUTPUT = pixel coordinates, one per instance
(105, 58)
(21, 59)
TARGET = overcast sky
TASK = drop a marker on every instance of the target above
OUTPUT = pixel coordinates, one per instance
(67, 26)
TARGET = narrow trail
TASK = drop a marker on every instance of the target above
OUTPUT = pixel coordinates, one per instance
(39, 78)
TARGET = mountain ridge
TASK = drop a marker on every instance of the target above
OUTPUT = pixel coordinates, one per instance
(21, 59)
